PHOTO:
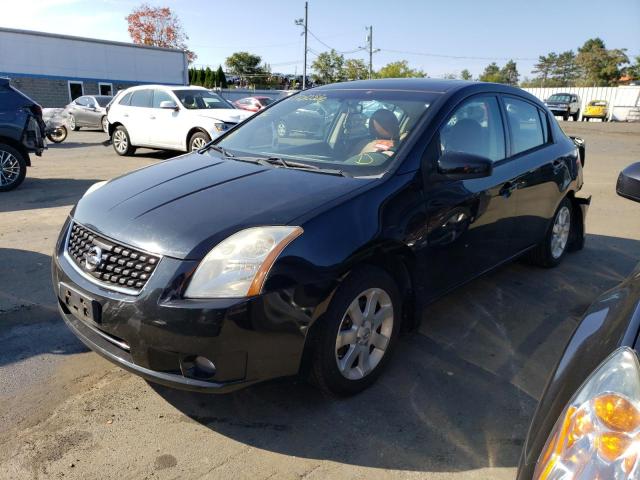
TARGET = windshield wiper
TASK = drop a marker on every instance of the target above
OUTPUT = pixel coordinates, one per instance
(303, 166)
(216, 148)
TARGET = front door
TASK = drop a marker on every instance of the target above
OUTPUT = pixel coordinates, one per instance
(164, 126)
(470, 222)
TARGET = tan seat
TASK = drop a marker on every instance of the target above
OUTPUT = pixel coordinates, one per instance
(384, 133)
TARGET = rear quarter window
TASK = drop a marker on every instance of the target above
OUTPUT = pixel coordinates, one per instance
(141, 98)
(126, 100)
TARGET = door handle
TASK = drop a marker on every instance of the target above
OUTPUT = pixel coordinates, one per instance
(152, 117)
(125, 115)
(507, 189)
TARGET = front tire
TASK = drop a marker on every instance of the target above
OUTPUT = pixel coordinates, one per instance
(58, 135)
(565, 116)
(72, 123)
(357, 333)
(198, 140)
(576, 115)
(552, 250)
(13, 168)
(121, 142)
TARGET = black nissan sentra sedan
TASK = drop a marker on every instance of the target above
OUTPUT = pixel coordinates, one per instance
(587, 424)
(264, 255)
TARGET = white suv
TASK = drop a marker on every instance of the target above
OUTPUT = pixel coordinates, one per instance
(172, 118)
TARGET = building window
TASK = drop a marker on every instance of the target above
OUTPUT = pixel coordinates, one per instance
(76, 89)
(106, 89)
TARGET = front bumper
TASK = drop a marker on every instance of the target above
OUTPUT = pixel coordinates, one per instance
(156, 333)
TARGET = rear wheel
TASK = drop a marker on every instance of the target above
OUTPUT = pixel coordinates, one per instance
(198, 140)
(357, 333)
(105, 124)
(554, 247)
(58, 134)
(121, 142)
(72, 123)
(13, 168)
(576, 115)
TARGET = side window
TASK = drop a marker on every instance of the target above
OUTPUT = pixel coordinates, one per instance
(161, 96)
(126, 100)
(82, 101)
(476, 128)
(526, 127)
(141, 98)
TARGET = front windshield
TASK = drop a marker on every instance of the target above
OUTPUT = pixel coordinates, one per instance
(200, 99)
(356, 131)
(560, 98)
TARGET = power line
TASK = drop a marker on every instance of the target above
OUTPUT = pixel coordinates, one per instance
(460, 57)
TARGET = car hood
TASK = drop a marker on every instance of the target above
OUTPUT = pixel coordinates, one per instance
(183, 207)
(234, 115)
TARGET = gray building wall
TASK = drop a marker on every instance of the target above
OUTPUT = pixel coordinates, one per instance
(54, 93)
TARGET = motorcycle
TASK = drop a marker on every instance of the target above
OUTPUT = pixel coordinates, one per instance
(55, 120)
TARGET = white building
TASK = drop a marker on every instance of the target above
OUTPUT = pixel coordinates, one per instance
(55, 69)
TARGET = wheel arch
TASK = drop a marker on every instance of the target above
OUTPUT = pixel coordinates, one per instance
(19, 147)
(577, 234)
(113, 126)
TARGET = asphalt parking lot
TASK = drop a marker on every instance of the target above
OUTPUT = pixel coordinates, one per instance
(454, 403)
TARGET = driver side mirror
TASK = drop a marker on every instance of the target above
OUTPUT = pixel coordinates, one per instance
(168, 104)
(628, 185)
(464, 166)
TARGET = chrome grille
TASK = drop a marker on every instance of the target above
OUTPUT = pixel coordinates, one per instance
(119, 266)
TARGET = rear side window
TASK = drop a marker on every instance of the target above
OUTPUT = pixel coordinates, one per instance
(475, 128)
(526, 127)
(126, 100)
(142, 98)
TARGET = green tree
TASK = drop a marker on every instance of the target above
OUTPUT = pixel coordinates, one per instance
(208, 78)
(566, 71)
(222, 79)
(466, 75)
(244, 64)
(545, 67)
(509, 73)
(328, 67)
(399, 69)
(492, 73)
(355, 69)
(600, 67)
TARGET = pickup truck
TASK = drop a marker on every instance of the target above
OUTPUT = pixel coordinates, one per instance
(21, 132)
(564, 105)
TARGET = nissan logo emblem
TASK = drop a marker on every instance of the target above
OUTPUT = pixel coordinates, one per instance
(93, 258)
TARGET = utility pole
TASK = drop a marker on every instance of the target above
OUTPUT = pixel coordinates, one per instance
(304, 22)
(371, 50)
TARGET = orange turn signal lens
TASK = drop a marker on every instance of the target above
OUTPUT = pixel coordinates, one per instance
(616, 412)
(612, 446)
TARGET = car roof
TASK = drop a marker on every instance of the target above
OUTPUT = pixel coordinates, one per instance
(408, 84)
(166, 87)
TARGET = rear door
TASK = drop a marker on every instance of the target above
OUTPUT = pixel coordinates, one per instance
(470, 222)
(138, 113)
(544, 169)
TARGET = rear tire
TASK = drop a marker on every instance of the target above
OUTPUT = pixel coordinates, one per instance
(13, 168)
(576, 115)
(121, 142)
(357, 333)
(554, 247)
(105, 124)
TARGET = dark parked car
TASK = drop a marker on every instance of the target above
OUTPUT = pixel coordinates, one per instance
(261, 256)
(564, 105)
(21, 132)
(587, 422)
(309, 120)
(89, 111)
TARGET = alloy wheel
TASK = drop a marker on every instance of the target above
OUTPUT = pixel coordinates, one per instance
(105, 125)
(120, 141)
(9, 168)
(72, 122)
(197, 143)
(364, 333)
(560, 232)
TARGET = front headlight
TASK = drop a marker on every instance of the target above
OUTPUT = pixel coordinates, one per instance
(598, 433)
(220, 127)
(238, 266)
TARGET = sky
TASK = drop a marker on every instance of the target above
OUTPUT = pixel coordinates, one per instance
(438, 37)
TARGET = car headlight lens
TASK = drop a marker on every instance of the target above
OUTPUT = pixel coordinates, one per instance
(238, 266)
(220, 127)
(94, 187)
(598, 433)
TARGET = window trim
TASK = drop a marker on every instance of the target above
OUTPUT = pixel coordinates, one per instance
(513, 156)
(100, 84)
(78, 82)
